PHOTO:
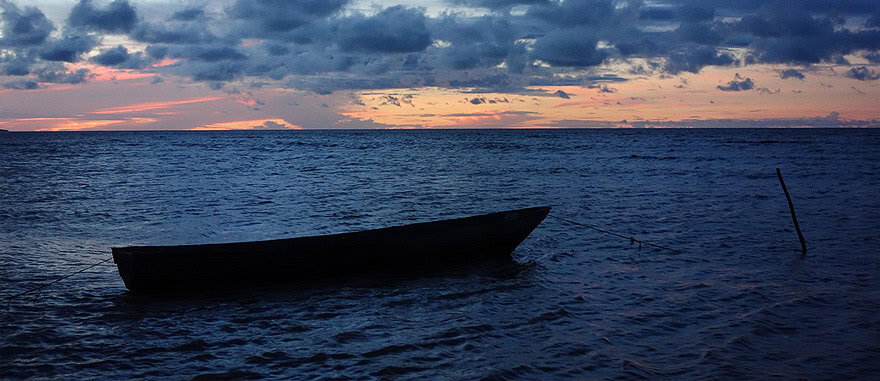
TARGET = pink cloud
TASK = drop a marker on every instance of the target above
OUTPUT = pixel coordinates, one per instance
(140, 107)
(253, 124)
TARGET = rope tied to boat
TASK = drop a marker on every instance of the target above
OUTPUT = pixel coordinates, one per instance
(42, 286)
(632, 240)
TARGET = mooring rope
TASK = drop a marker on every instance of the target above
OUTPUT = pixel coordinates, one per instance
(40, 287)
(606, 231)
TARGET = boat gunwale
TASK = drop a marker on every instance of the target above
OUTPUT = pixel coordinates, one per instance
(138, 249)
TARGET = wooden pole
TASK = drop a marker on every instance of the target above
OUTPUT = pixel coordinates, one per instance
(793, 216)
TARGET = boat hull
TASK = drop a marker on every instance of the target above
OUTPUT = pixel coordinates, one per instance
(399, 249)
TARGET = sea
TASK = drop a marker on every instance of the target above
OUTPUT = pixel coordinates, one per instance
(738, 300)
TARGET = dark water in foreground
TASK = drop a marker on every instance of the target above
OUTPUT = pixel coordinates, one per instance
(738, 302)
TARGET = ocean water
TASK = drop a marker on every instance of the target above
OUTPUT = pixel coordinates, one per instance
(739, 301)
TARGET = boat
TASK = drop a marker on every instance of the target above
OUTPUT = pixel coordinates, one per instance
(404, 249)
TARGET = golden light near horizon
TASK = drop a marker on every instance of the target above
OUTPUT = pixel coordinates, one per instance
(462, 65)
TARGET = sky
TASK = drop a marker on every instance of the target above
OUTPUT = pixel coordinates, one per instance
(324, 64)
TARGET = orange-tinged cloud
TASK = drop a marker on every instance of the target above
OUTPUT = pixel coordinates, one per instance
(69, 124)
(492, 119)
(251, 42)
(99, 73)
(166, 62)
(79, 124)
(140, 107)
(253, 124)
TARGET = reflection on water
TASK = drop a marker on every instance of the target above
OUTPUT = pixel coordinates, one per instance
(738, 302)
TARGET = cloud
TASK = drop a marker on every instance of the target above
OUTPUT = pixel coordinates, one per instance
(832, 120)
(17, 67)
(73, 124)
(171, 33)
(791, 73)
(188, 14)
(491, 119)
(394, 30)
(149, 106)
(862, 73)
(21, 85)
(738, 84)
(68, 48)
(273, 18)
(873, 21)
(56, 73)
(498, 4)
(784, 34)
(23, 28)
(484, 100)
(156, 52)
(118, 17)
(562, 94)
(112, 57)
(213, 54)
(569, 48)
(327, 45)
(255, 124)
(567, 14)
(694, 59)
(394, 100)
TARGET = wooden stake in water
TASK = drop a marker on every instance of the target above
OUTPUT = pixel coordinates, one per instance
(793, 216)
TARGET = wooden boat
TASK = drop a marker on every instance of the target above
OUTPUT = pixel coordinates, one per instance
(399, 249)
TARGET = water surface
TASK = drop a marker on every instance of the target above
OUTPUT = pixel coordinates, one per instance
(738, 302)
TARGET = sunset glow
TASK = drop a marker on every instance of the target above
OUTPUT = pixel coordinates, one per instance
(224, 67)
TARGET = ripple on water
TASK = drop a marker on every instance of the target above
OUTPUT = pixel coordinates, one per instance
(738, 302)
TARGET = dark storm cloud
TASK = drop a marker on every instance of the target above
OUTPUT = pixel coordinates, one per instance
(117, 17)
(394, 30)
(786, 33)
(269, 18)
(16, 67)
(68, 48)
(657, 13)
(22, 28)
(685, 13)
(217, 54)
(325, 45)
(188, 14)
(569, 48)
(580, 13)
(171, 33)
(696, 58)
(496, 4)
(120, 57)
(873, 21)
(791, 73)
(862, 73)
(112, 56)
(477, 43)
(219, 71)
(156, 52)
